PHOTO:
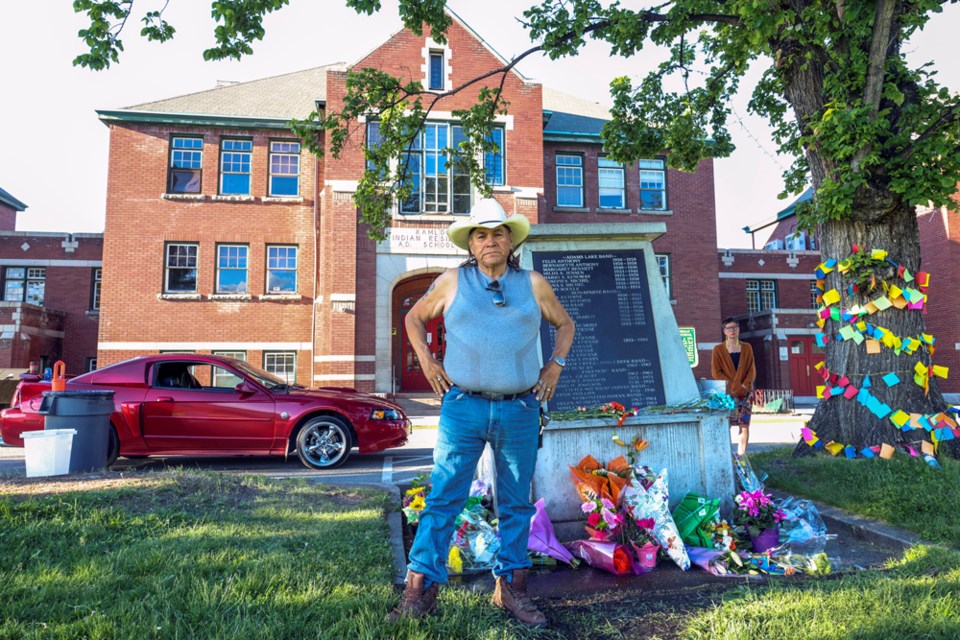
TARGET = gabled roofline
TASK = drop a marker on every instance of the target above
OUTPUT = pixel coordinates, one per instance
(7, 199)
(471, 30)
(109, 116)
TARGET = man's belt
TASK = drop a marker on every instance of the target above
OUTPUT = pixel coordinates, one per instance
(496, 396)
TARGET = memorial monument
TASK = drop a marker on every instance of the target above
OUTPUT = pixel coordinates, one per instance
(628, 350)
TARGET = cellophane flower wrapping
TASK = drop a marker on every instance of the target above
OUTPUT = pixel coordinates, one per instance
(543, 539)
(654, 503)
(802, 530)
(476, 536)
(715, 562)
(609, 556)
(749, 481)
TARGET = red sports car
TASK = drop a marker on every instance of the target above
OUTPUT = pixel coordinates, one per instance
(194, 405)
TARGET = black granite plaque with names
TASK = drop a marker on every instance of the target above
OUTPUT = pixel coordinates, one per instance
(614, 355)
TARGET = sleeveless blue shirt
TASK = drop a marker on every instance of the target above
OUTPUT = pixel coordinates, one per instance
(491, 348)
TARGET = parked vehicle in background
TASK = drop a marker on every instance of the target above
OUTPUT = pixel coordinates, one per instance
(196, 405)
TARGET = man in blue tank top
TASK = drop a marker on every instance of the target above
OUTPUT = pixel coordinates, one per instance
(492, 386)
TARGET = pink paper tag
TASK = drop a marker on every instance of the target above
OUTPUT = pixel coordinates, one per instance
(850, 392)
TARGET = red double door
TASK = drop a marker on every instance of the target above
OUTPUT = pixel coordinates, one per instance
(804, 355)
(406, 294)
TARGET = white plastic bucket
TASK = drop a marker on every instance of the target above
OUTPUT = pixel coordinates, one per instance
(47, 453)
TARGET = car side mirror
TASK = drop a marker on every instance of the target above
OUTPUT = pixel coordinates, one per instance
(244, 388)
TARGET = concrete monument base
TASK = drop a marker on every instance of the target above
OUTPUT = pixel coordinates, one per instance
(693, 447)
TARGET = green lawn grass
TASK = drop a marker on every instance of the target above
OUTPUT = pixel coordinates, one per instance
(201, 555)
(915, 596)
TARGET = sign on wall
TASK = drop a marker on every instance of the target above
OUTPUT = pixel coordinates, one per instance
(688, 336)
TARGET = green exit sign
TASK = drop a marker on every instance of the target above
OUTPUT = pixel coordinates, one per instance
(688, 336)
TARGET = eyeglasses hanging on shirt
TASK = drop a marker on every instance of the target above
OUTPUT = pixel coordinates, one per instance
(498, 298)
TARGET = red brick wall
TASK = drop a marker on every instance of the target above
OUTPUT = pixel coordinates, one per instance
(939, 238)
(139, 223)
(8, 218)
(67, 290)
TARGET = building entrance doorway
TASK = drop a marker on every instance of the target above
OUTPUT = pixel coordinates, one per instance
(407, 370)
(804, 356)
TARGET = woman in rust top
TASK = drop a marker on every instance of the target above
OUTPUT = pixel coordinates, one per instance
(732, 361)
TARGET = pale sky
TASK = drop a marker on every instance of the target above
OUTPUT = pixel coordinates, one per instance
(53, 149)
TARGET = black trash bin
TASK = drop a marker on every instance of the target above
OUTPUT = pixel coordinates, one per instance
(89, 413)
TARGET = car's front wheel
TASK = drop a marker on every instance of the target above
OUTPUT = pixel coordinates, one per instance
(324, 442)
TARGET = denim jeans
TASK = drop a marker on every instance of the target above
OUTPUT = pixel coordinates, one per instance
(467, 422)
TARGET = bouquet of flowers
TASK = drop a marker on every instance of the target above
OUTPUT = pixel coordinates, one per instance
(721, 534)
(757, 512)
(603, 519)
(415, 499)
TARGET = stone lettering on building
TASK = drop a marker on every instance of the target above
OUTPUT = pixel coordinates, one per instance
(414, 240)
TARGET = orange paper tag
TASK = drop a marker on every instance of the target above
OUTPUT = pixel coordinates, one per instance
(886, 451)
(873, 346)
(927, 447)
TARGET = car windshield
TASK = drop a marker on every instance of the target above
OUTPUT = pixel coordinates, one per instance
(268, 380)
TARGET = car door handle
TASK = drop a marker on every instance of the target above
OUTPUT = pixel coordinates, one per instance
(164, 399)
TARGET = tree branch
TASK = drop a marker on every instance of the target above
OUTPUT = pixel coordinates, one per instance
(950, 116)
(873, 88)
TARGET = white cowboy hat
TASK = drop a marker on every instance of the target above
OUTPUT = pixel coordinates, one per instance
(488, 214)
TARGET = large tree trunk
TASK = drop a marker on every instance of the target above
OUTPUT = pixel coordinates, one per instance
(844, 420)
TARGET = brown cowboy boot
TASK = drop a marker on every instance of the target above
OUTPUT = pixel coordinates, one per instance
(513, 597)
(416, 601)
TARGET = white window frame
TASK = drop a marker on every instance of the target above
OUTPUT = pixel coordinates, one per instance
(761, 295)
(286, 154)
(608, 173)
(814, 293)
(185, 260)
(286, 269)
(97, 285)
(663, 260)
(186, 159)
(32, 285)
(242, 256)
(232, 163)
(287, 361)
(653, 173)
(572, 171)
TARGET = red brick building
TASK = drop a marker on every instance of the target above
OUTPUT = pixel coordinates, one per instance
(51, 294)
(224, 235)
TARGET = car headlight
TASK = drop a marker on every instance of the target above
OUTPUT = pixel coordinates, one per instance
(385, 414)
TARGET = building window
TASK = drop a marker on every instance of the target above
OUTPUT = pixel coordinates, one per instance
(761, 294)
(437, 186)
(91, 364)
(611, 179)
(814, 293)
(24, 284)
(95, 289)
(181, 269)
(235, 167)
(284, 168)
(663, 260)
(436, 79)
(569, 180)
(223, 379)
(281, 269)
(653, 184)
(493, 161)
(282, 364)
(186, 165)
(231, 268)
